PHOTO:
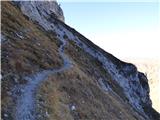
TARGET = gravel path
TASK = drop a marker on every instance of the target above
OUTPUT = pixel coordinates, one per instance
(26, 103)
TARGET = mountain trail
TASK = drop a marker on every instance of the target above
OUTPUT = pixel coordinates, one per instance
(25, 109)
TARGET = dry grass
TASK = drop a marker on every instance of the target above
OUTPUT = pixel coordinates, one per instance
(92, 67)
(73, 87)
(34, 48)
(78, 86)
(27, 49)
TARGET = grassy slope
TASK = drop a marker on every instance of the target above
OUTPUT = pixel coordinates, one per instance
(78, 86)
(21, 56)
(154, 115)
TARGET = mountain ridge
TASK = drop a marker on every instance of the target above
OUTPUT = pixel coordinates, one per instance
(112, 77)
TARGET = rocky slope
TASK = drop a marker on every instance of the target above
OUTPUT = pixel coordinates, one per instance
(151, 67)
(50, 71)
(39, 10)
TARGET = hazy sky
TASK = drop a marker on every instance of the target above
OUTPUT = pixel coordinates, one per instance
(125, 29)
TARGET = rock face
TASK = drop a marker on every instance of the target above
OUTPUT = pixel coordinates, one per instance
(97, 85)
(40, 10)
(151, 67)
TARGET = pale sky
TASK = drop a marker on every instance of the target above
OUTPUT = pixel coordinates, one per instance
(124, 29)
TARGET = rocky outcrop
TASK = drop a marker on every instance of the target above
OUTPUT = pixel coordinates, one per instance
(151, 68)
(41, 10)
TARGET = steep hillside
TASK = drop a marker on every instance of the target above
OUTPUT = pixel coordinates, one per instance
(151, 67)
(50, 71)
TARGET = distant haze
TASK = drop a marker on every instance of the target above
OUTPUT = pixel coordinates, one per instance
(124, 29)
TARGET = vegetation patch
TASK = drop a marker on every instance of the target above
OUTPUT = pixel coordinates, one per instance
(27, 48)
